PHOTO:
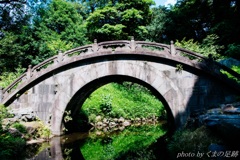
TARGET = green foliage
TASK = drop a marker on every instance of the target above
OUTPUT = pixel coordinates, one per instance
(119, 20)
(4, 113)
(10, 147)
(128, 100)
(106, 104)
(196, 20)
(13, 15)
(60, 27)
(128, 142)
(67, 116)
(6, 78)
(179, 68)
(43, 131)
(32, 31)
(236, 69)
(191, 141)
(157, 26)
(21, 128)
(11, 52)
(205, 48)
(233, 50)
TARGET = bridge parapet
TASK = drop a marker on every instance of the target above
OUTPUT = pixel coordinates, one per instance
(120, 46)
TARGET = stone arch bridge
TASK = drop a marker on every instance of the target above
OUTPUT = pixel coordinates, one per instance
(186, 82)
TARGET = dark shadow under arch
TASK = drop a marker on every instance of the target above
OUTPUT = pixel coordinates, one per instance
(82, 94)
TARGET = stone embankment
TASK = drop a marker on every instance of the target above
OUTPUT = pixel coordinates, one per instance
(110, 124)
(224, 120)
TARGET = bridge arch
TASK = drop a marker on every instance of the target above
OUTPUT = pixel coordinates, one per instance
(86, 80)
(52, 86)
(80, 96)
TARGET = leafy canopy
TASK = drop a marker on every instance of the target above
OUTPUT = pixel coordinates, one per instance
(119, 20)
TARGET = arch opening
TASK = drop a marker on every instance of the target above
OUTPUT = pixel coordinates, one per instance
(77, 101)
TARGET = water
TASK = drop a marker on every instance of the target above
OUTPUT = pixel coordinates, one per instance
(133, 143)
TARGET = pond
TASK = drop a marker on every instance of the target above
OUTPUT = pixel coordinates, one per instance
(135, 142)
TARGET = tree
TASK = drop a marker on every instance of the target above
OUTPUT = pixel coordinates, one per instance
(157, 27)
(188, 19)
(196, 19)
(226, 24)
(12, 15)
(13, 19)
(59, 27)
(119, 20)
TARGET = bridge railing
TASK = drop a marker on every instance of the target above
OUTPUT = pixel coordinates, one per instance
(112, 46)
(190, 54)
(212, 65)
(14, 84)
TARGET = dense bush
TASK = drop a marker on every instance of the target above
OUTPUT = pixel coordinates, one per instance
(205, 48)
(193, 141)
(11, 147)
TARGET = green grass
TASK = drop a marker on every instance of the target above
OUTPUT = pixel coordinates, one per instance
(126, 100)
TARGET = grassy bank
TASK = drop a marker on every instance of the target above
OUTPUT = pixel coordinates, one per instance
(127, 100)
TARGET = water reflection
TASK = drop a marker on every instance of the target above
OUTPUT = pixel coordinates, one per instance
(135, 142)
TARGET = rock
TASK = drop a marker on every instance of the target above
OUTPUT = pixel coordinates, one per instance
(25, 114)
(14, 132)
(98, 118)
(112, 124)
(34, 141)
(121, 120)
(126, 123)
(121, 128)
(149, 120)
(99, 125)
(137, 120)
(105, 129)
(98, 133)
(115, 120)
(105, 120)
(226, 125)
(230, 109)
(230, 62)
(31, 130)
(8, 121)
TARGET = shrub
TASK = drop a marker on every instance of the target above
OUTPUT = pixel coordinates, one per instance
(191, 141)
(106, 104)
(207, 47)
(6, 78)
(21, 128)
(4, 114)
(43, 131)
(11, 147)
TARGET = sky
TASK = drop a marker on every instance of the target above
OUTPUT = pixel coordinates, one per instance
(165, 2)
